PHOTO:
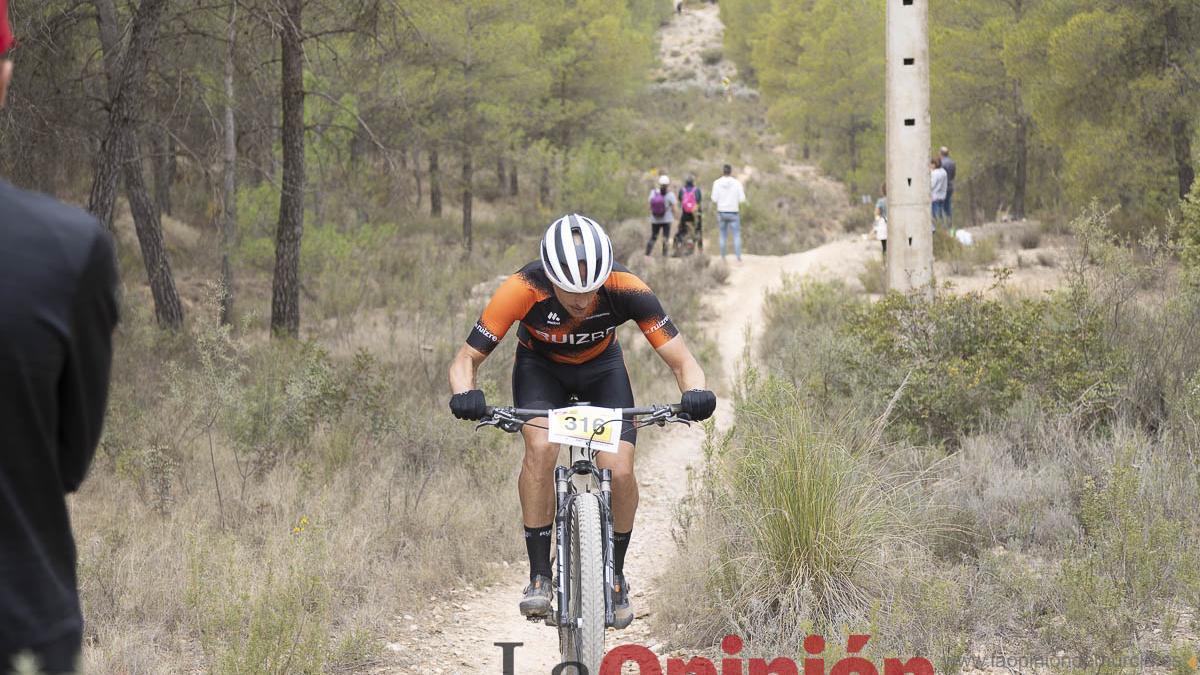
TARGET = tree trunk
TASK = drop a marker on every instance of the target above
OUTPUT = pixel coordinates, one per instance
(229, 189)
(853, 160)
(119, 154)
(1021, 171)
(285, 294)
(416, 169)
(107, 168)
(544, 186)
(103, 198)
(514, 184)
(435, 185)
(501, 177)
(468, 177)
(1181, 135)
(163, 164)
(1181, 128)
(167, 308)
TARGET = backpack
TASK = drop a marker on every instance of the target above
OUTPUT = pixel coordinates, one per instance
(689, 200)
(658, 204)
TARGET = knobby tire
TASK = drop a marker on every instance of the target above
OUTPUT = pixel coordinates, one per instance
(584, 642)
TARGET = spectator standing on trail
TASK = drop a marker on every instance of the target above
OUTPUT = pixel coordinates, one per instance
(663, 212)
(690, 201)
(728, 196)
(679, 6)
(937, 191)
(881, 217)
(58, 308)
(951, 168)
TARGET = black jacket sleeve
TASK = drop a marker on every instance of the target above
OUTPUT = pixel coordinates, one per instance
(83, 382)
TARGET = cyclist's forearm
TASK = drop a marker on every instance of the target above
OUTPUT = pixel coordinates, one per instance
(688, 373)
(463, 369)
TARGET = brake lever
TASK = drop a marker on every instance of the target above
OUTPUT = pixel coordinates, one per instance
(661, 419)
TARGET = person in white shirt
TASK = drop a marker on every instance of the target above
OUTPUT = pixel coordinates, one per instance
(728, 195)
(938, 185)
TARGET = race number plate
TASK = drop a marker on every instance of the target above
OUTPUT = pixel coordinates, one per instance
(582, 423)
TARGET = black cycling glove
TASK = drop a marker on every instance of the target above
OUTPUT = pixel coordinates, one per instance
(468, 405)
(698, 404)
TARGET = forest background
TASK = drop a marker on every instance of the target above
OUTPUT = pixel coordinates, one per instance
(313, 199)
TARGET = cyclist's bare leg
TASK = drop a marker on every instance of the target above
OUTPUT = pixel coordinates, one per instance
(536, 487)
(536, 482)
(624, 485)
(624, 506)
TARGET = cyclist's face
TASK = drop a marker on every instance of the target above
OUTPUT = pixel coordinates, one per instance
(578, 305)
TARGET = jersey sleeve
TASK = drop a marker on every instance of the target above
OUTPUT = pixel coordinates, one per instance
(511, 302)
(640, 304)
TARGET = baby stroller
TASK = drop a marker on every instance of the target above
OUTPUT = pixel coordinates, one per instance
(687, 239)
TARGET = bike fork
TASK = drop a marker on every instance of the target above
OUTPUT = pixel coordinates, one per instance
(606, 531)
(562, 480)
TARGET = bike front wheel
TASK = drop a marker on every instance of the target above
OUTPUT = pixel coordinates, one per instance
(582, 639)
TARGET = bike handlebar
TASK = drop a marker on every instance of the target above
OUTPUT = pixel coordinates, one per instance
(512, 419)
(672, 408)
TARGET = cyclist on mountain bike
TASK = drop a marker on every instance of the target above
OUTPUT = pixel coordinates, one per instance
(569, 305)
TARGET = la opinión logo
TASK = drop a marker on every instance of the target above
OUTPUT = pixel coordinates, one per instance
(648, 662)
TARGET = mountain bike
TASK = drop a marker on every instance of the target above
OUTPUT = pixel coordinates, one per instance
(583, 525)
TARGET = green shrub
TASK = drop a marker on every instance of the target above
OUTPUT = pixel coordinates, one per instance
(712, 56)
(874, 276)
(806, 501)
(858, 219)
(953, 359)
(1147, 310)
(1189, 233)
(592, 183)
(276, 621)
(1030, 238)
(794, 527)
(1123, 573)
(803, 340)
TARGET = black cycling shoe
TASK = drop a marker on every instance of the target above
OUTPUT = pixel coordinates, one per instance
(536, 601)
(622, 609)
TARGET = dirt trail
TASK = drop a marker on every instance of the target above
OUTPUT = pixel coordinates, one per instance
(684, 41)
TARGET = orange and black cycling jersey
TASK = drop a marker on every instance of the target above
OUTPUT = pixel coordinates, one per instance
(548, 329)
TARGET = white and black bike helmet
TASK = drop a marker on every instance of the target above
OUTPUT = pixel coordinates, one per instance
(572, 242)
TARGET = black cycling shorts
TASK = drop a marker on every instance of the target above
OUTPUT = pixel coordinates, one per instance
(539, 382)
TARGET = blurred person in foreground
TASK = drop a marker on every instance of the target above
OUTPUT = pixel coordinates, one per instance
(58, 308)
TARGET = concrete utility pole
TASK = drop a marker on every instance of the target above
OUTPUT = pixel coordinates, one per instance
(910, 240)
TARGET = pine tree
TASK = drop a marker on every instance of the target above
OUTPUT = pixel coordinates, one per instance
(1114, 85)
(978, 108)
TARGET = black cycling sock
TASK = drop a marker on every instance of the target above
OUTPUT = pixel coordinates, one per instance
(537, 544)
(620, 546)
